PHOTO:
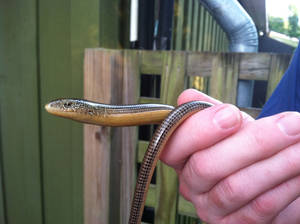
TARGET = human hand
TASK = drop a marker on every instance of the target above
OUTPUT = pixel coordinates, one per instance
(235, 169)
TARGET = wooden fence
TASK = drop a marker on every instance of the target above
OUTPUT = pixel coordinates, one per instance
(111, 155)
(195, 29)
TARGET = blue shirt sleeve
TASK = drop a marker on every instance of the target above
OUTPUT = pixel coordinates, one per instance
(286, 96)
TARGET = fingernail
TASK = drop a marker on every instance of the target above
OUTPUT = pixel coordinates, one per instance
(227, 117)
(289, 123)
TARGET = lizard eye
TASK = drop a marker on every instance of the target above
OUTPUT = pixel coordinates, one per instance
(68, 104)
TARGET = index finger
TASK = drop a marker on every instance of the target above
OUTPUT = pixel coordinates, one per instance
(193, 94)
(201, 130)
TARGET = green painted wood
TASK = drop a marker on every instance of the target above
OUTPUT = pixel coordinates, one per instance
(19, 111)
(2, 202)
(201, 28)
(195, 30)
(186, 208)
(57, 134)
(142, 147)
(148, 100)
(177, 39)
(65, 29)
(205, 33)
(209, 33)
(214, 36)
(218, 40)
(187, 33)
(150, 200)
(2, 192)
(114, 23)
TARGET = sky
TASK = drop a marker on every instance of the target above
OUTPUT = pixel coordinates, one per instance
(279, 8)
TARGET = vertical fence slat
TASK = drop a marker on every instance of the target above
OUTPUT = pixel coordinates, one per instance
(214, 37)
(201, 29)
(195, 30)
(187, 30)
(278, 64)
(209, 32)
(178, 24)
(131, 84)
(206, 31)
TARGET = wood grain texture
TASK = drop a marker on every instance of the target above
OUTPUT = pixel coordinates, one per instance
(97, 143)
(110, 152)
(223, 82)
(131, 83)
(200, 64)
(254, 66)
(151, 63)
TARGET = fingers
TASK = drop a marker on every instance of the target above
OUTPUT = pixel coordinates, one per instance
(256, 141)
(240, 188)
(266, 207)
(247, 173)
(290, 214)
(192, 94)
(214, 123)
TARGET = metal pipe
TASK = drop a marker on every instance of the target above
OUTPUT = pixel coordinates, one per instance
(242, 35)
(133, 36)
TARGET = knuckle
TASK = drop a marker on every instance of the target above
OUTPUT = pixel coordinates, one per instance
(258, 139)
(227, 193)
(291, 161)
(263, 208)
(201, 168)
(206, 216)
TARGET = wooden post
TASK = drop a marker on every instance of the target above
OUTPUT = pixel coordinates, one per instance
(131, 84)
(110, 77)
(172, 84)
(97, 87)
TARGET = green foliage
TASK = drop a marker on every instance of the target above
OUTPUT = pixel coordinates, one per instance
(277, 24)
(292, 29)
